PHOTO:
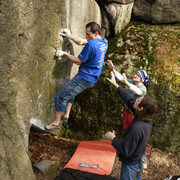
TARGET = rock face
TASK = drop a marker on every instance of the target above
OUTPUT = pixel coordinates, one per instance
(119, 15)
(115, 15)
(157, 11)
(30, 76)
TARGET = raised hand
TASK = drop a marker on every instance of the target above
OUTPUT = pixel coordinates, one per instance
(113, 79)
(110, 64)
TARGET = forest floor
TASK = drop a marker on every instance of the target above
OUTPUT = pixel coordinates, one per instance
(47, 147)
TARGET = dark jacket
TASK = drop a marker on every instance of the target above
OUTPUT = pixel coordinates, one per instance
(133, 146)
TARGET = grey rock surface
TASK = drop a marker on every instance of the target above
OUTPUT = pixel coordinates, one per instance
(157, 11)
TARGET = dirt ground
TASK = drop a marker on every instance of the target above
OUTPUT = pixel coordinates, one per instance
(47, 147)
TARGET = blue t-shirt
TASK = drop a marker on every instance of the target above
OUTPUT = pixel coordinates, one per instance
(92, 57)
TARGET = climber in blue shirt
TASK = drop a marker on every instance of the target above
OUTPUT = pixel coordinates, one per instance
(92, 57)
(133, 146)
(90, 62)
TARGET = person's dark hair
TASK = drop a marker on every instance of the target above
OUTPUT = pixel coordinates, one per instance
(149, 108)
(94, 27)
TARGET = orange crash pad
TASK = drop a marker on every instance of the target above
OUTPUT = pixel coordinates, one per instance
(93, 156)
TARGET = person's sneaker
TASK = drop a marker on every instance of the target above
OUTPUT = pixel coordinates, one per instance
(65, 120)
(52, 126)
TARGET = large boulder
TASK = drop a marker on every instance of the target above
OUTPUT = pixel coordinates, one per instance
(119, 15)
(157, 11)
(116, 15)
(30, 75)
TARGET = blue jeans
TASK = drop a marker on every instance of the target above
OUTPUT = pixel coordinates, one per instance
(67, 94)
(130, 172)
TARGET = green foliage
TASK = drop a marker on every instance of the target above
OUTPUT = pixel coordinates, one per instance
(64, 131)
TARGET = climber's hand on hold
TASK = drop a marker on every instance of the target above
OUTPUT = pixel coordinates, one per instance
(66, 33)
(59, 53)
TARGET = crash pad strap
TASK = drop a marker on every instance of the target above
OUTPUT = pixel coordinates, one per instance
(73, 174)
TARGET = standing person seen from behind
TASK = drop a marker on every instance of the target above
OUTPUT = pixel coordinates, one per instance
(132, 148)
(136, 88)
(90, 62)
